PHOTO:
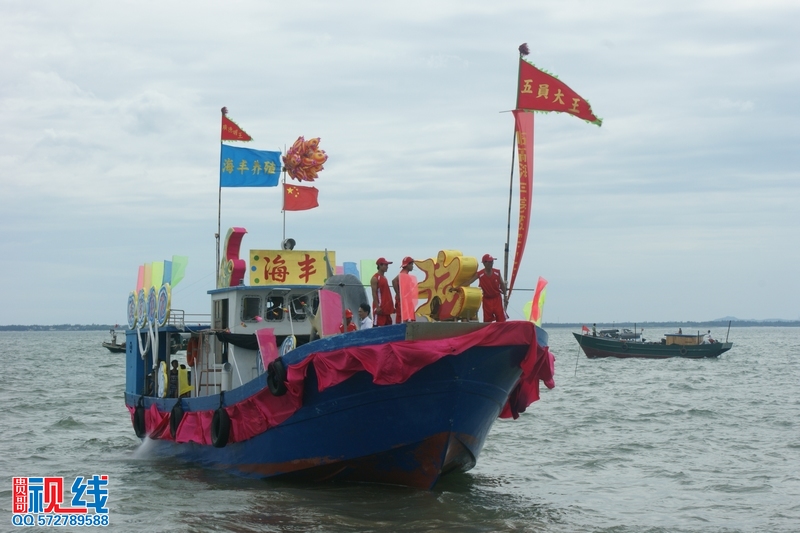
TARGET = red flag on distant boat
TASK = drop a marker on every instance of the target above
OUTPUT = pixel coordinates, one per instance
(585, 330)
(231, 131)
(298, 198)
(540, 91)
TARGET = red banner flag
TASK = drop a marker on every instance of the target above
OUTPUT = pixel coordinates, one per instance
(524, 128)
(539, 91)
(232, 132)
(297, 198)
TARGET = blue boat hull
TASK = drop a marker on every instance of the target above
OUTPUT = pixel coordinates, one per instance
(407, 434)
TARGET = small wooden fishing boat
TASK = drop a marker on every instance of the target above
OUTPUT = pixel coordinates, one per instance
(693, 346)
(176, 343)
(114, 346)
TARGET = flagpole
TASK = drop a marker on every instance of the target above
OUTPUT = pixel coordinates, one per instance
(523, 51)
(224, 111)
(283, 196)
(219, 224)
(510, 193)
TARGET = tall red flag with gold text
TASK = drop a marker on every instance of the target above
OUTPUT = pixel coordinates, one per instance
(524, 130)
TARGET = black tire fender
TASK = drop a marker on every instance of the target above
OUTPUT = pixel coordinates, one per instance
(175, 417)
(624, 346)
(683, 350)
(220, 428)
(276, 377)
(139, 426)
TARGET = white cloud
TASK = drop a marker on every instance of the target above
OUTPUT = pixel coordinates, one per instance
(109, 122)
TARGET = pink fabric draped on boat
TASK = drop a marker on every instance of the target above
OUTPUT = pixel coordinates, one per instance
(388, 363)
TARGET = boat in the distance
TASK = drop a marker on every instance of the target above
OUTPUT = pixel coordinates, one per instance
(626, 343)
(114, 346)
(270, 388)
(176, 343)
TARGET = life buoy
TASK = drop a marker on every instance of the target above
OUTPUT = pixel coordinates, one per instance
(175, 417)
(276, 377)
(220, 428)
(624, 346)
(683, 350)
(288, 344)
(191, 351)
(138, 422)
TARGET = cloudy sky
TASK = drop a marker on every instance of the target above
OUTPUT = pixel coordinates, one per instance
(682, 206)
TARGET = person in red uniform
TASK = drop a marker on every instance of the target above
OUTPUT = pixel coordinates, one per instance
(494, 290)
(381, 295)
(405, 268)
(348, 316)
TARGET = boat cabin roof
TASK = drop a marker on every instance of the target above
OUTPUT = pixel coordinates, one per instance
(266, 288)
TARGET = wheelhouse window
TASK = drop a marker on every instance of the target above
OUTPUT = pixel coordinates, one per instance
(274, 310)
(251, 308)
(304, 304)
(299, 307)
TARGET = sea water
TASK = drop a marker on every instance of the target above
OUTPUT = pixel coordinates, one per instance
(620, 445)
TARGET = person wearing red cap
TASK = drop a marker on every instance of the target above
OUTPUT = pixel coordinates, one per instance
(381, 295)
(405, 268)
(348, 316)
(494, 290)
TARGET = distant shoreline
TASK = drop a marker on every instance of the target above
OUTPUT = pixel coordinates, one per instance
(684, 325)
(577, 325)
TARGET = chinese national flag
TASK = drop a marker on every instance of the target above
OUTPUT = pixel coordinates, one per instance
(232, 132)
(297, 198)
(539, 91)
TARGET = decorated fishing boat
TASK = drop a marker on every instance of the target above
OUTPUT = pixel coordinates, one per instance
(613, 343)
(270, 388)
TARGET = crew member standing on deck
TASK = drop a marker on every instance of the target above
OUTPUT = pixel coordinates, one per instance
(381, 295)
(494, 290)
(173, 381)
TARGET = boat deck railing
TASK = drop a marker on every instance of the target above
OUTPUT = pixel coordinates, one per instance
(179, 319)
